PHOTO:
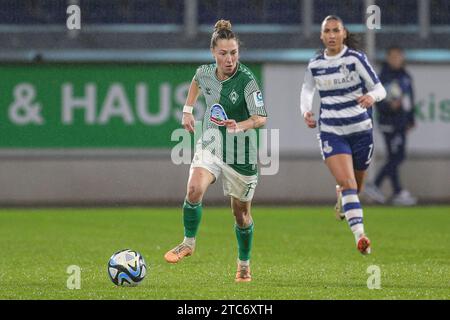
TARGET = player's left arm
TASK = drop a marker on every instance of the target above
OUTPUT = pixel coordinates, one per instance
(367, 73)
(255, 121)
(255, 107)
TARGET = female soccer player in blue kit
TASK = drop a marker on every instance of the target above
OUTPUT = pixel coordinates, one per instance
(347, 86)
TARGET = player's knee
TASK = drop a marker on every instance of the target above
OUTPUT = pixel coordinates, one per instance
(242, 216)
(194, 194)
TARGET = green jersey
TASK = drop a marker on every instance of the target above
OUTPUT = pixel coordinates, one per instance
(236, 98)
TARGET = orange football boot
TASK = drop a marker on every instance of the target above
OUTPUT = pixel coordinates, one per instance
(364, 245)
(179, 252)
(243, 274)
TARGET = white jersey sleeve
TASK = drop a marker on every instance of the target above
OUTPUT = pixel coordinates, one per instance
(307, 93)
(378, 92)
(373, 84)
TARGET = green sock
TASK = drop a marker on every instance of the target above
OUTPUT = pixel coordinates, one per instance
(245, 238)
(192, 214)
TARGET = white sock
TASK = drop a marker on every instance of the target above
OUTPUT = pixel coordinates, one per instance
(353, 212)
(189, 241)
(358, 232)
(245, 263)
(357, 229)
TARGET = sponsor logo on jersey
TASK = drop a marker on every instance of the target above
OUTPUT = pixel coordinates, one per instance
(218, 114)
(233, 96)
(258, 98)
(347, 79)
(327, 148)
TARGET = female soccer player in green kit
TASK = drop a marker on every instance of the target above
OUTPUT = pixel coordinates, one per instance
(234, 106)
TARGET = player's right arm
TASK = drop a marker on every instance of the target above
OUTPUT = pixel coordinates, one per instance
(188, 121)
(306, 99)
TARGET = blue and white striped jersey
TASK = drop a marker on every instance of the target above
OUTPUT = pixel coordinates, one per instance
(341, 80)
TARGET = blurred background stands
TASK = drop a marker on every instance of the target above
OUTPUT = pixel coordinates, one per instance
(30, 25)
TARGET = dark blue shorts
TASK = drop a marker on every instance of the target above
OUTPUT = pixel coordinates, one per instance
(359, 146)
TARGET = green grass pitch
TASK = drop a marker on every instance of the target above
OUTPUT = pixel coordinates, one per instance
(299, 253)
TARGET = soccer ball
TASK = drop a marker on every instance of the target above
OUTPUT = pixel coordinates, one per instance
(127, 268)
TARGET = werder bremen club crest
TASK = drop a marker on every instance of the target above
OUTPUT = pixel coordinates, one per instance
(233, 96)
